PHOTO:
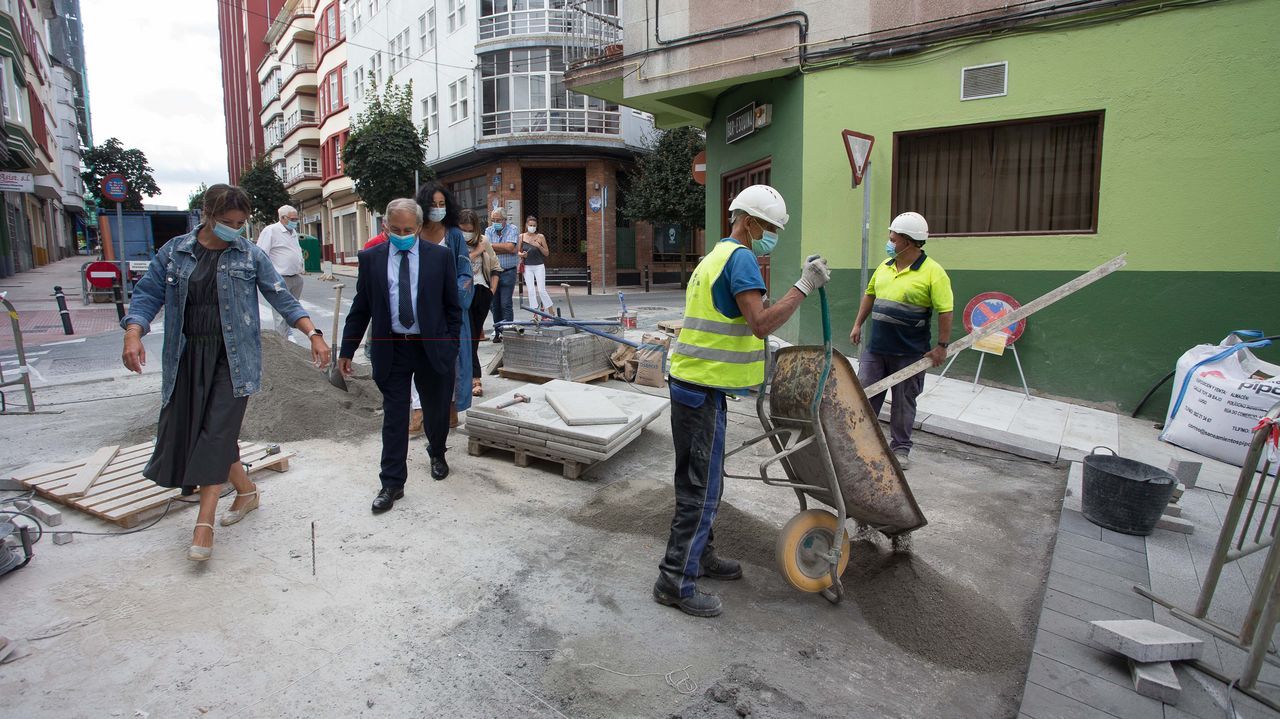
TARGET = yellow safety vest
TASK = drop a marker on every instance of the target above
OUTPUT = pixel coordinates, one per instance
(714, 350)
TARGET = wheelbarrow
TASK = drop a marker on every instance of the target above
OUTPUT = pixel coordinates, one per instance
(827, 440)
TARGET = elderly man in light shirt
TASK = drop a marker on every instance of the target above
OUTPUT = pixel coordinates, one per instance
(280, 241)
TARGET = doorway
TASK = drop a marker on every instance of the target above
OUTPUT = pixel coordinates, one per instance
(735, 181)
(557, 197)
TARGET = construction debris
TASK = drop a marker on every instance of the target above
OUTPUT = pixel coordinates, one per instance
(1156, 680)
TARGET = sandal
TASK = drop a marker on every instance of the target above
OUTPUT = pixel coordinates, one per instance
(477, 389)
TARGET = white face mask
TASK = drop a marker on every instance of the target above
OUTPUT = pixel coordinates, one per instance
(531, 228)
(468, 236)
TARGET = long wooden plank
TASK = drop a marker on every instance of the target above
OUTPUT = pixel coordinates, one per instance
(125, 489)
(991, 328)
(48, 470)
(141, 505)
(88, 474)
(108, 507)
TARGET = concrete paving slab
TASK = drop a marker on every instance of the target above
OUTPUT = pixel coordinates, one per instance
(996, 409)
(1074, 522)
(1082, 609)
(1145, 641)
(948, 399)
(541, 417)
(1100, 577)
(1131, 603)
(1088, 428)
(1106, 549)
(1112, 565)
(1156, 680)
(1040, 702)
(1092, 690)
(581, 408)
(1120, 539)
(991, 438)
(1042, 419)
(1083, 657)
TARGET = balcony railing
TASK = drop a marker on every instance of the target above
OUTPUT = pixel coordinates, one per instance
(594, 31)
(296, 119)
(526, 22)
(298, 173)
(514, 122)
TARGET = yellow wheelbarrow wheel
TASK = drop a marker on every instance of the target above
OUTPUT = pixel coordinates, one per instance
(803, 546)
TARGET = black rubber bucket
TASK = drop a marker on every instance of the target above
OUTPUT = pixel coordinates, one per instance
(1123, 495)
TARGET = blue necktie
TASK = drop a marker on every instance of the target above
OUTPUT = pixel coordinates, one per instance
(405, 292)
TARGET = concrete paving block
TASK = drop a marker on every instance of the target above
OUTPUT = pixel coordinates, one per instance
(11, 485)
(1073, 521)
(1156, 680)
(1130, 603)
(1111, 565)
(63, 537)
(1178, 491)
(582, 408)
(1083, 657)
(1043, 703)
(1028, 447)
(1128, 541)
(1145, 641)
(1094, 691)
(1106, 549)
(1175, 524)
(1173, 510)
(45, 512)
(1186, 472)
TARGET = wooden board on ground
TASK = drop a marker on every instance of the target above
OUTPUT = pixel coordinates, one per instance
(540, 379)
(671, 327)
(118, 492)
(573, 469)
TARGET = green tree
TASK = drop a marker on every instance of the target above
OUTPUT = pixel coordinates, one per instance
(266, 190)
(384, 149)
(662, 188)
(195, 200)
(111, 157)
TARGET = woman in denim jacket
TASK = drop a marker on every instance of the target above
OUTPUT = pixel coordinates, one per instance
(208, 281)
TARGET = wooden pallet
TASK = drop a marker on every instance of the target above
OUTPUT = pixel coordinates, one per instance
(117, 492)
(573, 469)
(505, 373)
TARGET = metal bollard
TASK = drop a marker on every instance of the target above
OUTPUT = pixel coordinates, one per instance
(588, 279)
(62, 309)
(646, 278)
(117, 292)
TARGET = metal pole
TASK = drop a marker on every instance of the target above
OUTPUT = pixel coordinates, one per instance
(120, 231)
(61, 299)
(866, 226)
(604, 269)
(117, 293)
(646, 278)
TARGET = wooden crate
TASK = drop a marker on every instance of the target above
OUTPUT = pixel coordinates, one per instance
(119, 493)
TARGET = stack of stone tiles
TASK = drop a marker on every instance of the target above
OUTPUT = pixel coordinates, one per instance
(558, 351)
(535, 427)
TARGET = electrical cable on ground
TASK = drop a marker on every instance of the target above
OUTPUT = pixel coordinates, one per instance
(31, 494)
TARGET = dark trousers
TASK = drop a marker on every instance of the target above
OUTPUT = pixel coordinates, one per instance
(502, 309)
(480, 302)
(409, 364)
(902, 414)
(698, 428)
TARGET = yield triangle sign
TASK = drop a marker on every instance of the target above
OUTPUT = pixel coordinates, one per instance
(858, 146)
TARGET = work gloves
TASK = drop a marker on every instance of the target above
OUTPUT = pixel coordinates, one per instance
(814, 275)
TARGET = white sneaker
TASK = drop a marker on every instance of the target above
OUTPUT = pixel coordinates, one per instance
(904, 460)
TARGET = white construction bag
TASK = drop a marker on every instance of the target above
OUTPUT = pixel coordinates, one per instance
(1220, 392)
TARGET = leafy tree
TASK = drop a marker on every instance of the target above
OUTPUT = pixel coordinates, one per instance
(662, 188)
(266, 190)
(384, 149)
(111, 156)
(195, 200)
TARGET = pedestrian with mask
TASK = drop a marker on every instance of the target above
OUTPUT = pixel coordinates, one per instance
(280, 242)
(901, 297)
(485, 272)
(533, 251)
(441, 228)
(503, 238)
(720, 352)
(209, 366)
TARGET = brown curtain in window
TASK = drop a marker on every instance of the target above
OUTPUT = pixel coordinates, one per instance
(1025, 177)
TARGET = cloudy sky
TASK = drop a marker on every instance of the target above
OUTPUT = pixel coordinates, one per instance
(155, 82)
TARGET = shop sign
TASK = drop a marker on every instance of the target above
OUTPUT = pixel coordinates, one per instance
(744, 122)
(17, 182)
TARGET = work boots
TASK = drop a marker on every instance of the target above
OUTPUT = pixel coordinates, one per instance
(698, 604)
(719, 568)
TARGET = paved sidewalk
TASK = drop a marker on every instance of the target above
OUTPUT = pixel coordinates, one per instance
(32, 296)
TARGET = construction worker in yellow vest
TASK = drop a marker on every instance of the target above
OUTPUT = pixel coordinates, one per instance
(720, 351)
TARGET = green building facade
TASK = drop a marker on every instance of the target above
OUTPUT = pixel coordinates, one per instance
(1186, 106)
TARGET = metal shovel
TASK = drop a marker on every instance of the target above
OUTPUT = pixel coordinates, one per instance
(335, 375)
(568, 299)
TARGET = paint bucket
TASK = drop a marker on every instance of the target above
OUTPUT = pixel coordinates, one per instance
(628, 320)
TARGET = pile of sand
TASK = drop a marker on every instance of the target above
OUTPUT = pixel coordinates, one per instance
(296, 401)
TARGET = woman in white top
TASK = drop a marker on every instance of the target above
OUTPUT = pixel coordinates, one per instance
(532, 248)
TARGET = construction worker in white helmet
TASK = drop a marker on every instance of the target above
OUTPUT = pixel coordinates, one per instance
(901, 297)
(720, 351)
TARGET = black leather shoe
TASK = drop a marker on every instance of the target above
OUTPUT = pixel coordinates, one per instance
(698, 604)
(718, 568)
(497, 339)
(386, 499)
(439, 468)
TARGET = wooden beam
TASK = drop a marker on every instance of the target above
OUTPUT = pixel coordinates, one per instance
(1017, 315)
(88, 474)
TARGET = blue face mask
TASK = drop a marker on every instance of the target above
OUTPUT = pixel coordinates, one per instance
(497, 226)
(292, 224)
(890, 250)
(226, 234)
(765, 244)
(436, 214)
(402, 242)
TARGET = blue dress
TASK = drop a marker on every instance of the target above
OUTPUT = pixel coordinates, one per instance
(462, 365)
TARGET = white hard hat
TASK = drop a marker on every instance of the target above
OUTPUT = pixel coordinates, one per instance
(763, 202)
(911, 224)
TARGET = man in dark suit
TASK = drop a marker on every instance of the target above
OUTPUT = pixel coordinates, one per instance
(409, 289)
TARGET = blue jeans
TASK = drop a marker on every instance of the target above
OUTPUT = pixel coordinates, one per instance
(502, 309)
(902, 413)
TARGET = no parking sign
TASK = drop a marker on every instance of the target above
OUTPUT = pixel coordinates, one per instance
(989, 307)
